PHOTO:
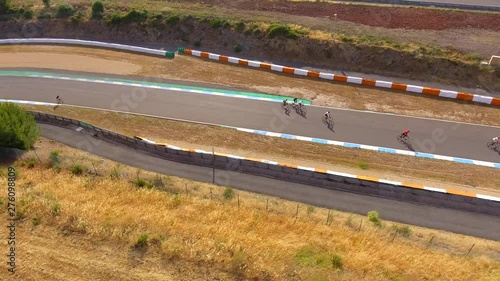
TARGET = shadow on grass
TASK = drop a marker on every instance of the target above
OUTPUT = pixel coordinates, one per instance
(10, 155)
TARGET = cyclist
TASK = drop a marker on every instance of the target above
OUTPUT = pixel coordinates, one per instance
(285, 102)
(58, 98)
(405, 133)
(327, 115)
(301, 103)
(496, 140)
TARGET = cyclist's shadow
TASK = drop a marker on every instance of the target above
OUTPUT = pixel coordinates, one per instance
(406, 143)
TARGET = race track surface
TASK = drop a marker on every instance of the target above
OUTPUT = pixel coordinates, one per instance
(492, 3)
(428, 136)
(472, 224)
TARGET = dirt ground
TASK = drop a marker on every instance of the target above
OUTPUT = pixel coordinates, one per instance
(67, 62)
(377, 16)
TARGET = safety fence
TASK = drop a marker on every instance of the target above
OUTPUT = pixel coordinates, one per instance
(289, 172)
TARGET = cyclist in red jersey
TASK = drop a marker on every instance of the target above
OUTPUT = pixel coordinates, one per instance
(405, 133)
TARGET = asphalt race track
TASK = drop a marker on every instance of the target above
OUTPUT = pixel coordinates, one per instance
(473, 224)
(492, 3)
(428, 136)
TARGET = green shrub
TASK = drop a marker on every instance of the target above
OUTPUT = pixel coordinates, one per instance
(45, 16)
(5, 6)
(36, 220)
(239, 26)
(97, 9)
(132, 16)
(54, 157)
(78, 17)
(76, 170)
(65, 10)
(46, 3)
(337, 261)
(172, 20)
(237, 48)
(228, 193)
(57, 167)
(216, 23)
(17, 128)
(28, 14)
(363, 166)
(142, 241)
(405, 231)
(31, 163)
(55, 208)
(277, 30)
(374, 218)
(140, 182)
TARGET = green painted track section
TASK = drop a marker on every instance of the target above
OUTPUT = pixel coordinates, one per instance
(146, 84)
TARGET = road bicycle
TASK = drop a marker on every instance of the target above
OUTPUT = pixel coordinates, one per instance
(493, 145)
(328, 121)
(300, 109)
(286, 108)
(403, 138)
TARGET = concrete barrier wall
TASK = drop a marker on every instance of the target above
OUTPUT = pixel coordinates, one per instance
(288, 172)
(345, 79)
(135, 49)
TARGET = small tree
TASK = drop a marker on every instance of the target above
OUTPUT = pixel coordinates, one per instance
(97, 9)
(5, 6)
(46, 3)
(17, 128)
(65, 10)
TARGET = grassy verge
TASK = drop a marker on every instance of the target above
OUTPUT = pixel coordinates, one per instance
(362, 162)
(319, 92)
(237, 233)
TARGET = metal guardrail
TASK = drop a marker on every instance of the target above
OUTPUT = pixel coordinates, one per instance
(431, 4)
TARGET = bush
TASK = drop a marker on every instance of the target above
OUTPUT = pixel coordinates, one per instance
(78, 17)
(197, 43)
(97, 10)
(405, 231)
(172, 20)
(28, 14)
(337, 261)
(57, 167)
(31, 163)
(142, 241)
(140, 182)
(228, 193)
(237, 48)
(46, 3)
(76, 170)
(54, 157)
(5, 6)
(310, 210)
(17, 128)
(216, 23)
(36, 220)
(65, 10)
(131, 16)
(363, 166)
(276, 30)
(239, 26)
(45, 16)
(374, 218)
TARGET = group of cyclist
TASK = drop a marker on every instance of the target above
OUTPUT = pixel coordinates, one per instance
(300, 103)
(404, 135)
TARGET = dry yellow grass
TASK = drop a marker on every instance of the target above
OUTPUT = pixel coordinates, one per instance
(320, 92)
(82, 214)
(382, 165)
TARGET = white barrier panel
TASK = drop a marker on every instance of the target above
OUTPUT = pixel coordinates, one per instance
(83, 43)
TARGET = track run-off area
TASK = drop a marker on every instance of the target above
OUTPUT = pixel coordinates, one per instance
(255, 112)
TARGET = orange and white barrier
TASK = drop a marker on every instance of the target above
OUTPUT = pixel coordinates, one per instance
(346, 79)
